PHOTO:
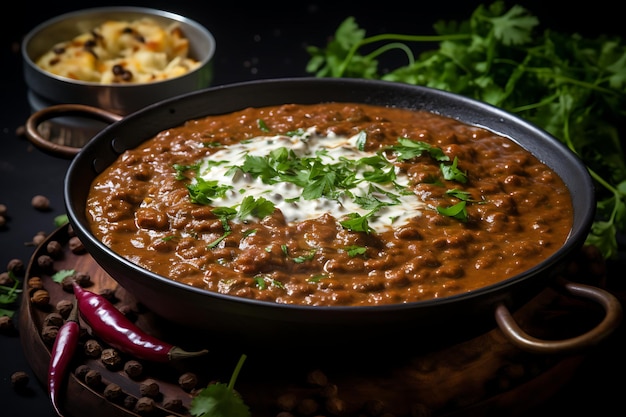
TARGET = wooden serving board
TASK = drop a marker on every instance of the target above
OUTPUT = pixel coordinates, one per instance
(485, 375)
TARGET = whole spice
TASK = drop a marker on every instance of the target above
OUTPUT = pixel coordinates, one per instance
(37, 239)
(46, 263)
(55, 249)
(6, 279)
(49, 334)
(92, 348)
(61, 355)
(93, 379)
(35, 282)
(40, 298)
(149, 388)
(133, 369)
(113, 393)
(130, 402)
(81, 371)
(188, 381)
(76, 246)
(118, 331)
(6, 324)
(144, 406)
(111, 359)
(16, 266)
(19, 379)
(53, 319)
(64, 307)
(41, 203)
(173, 404)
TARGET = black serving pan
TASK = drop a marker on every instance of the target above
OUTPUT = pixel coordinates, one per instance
(262, 323)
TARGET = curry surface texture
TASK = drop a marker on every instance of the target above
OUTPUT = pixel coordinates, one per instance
(465, 208)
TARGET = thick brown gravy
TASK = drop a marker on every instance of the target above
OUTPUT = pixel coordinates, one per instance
(517, 210)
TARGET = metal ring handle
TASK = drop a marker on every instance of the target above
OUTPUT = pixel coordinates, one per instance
(612, 319)
(58, 110)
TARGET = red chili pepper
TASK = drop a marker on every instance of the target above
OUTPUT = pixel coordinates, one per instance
(114, 328)
(62, 352)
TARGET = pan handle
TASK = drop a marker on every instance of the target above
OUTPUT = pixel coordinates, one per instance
(521, 339)
(59, 110)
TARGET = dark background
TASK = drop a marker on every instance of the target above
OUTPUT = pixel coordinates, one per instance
(254, 41)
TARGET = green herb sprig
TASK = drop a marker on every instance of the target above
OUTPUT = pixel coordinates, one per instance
(571, 86)
(9, 296)
(221, 400)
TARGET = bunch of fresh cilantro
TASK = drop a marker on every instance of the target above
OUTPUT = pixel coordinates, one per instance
(571, 86)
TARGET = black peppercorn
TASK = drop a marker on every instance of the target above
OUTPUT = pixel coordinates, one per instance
(149, 388)
(133, 369)
(111, 358)
(19, 379)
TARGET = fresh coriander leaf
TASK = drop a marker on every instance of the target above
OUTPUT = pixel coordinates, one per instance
(322, 185)
(356, 223)
(218, 400)
(221, 400)
(514, 27)
(261, 124)
(251, 207)
(457, 211)
(10, 295)
(59, 276)
(600, 237)
(263, 281)
(9, 298)
(249, 232)
(316, 278)
(260, 282)
(303, 258)
(361, 140)
(355, 250)
(212, 144)
(460, 194)
(181, 170)
(217, 241)
(60, 220)
(297, 132)
(224, 213)
(408, 149)
(452, 172)
(204, 192)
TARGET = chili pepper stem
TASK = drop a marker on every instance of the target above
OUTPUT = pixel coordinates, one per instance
(177, 353)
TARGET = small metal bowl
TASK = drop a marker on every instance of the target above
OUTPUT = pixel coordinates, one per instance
(49, 89)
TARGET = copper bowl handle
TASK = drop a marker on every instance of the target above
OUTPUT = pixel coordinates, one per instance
(612, 319)
(56, 149)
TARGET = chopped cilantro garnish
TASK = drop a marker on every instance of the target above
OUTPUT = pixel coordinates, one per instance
(458, 211)
(204, 192)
